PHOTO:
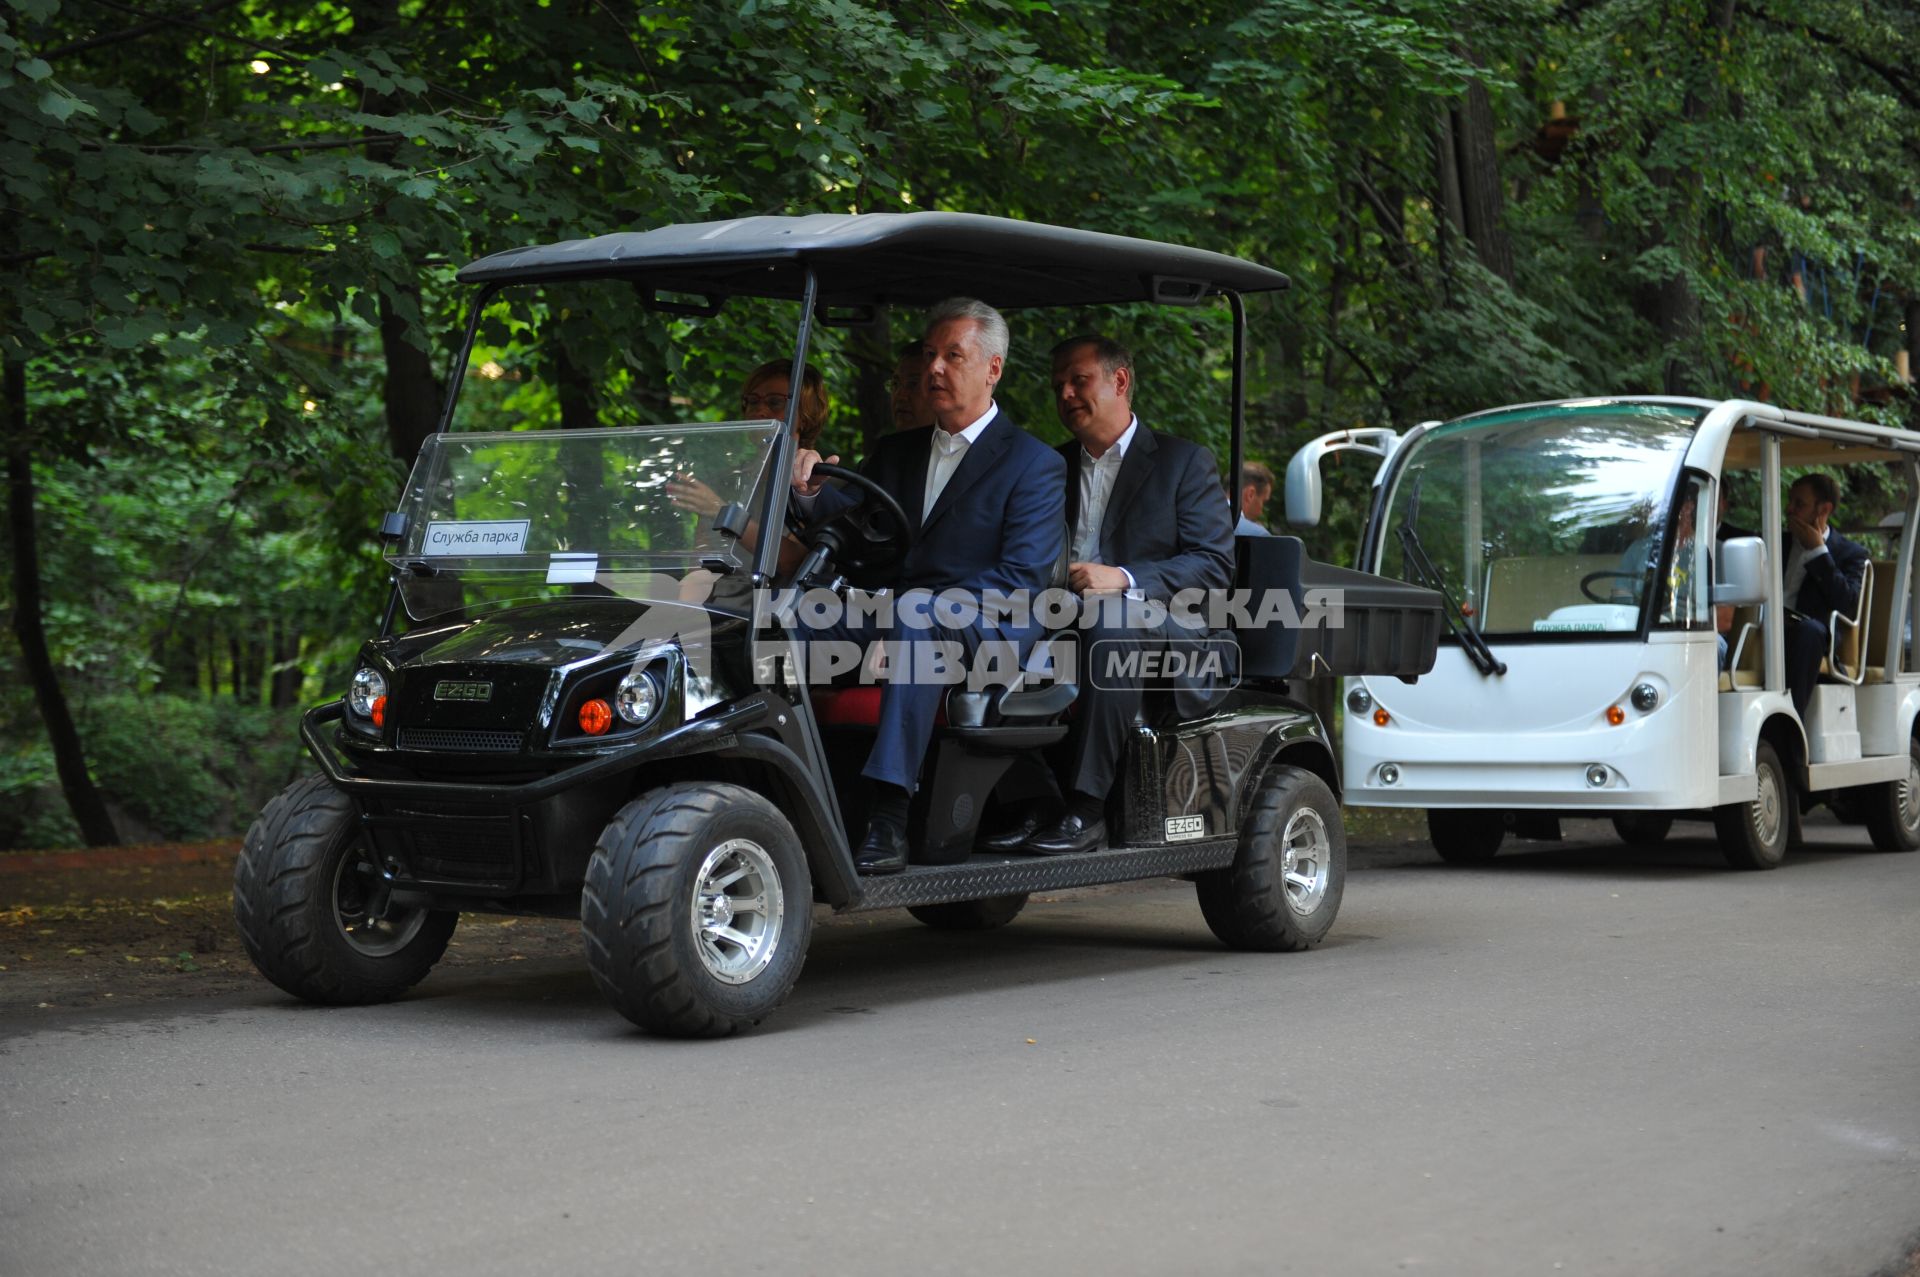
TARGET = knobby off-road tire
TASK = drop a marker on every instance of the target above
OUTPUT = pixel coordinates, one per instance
(1892, 809)
(1465, 836)
(697, 910)
(1642, 828)
(1754, 835)
(1282, 891)
(971, 915)
(301, 891)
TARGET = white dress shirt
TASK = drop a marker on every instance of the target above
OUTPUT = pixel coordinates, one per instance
(948, 451)
(1097, 477)
(1796, 574)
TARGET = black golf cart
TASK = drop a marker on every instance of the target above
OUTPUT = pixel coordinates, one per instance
(581, 702)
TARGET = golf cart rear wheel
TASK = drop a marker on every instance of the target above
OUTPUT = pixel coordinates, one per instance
(1892, 809)
(1465, 836)
(314, 911)
(1754, 834)
(697, 910)
(971, 915)
(1642, 828)
(1282, 891)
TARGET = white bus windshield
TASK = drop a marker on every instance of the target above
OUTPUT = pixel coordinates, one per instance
(1543, 520)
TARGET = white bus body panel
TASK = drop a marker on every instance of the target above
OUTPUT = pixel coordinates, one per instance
(1526, 739)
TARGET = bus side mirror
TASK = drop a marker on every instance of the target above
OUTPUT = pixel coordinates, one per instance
(1303, 471)
(1741, 578)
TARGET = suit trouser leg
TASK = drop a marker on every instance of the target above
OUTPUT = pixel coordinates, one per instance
(924, 664)
(1111, 690)
(1806, 643)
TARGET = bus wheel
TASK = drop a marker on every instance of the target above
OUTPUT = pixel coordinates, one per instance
(1753, 835)
(1465, 836)
(1892, 810)
(1642, 828)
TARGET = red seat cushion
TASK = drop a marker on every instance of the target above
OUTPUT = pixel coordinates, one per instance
(857, 706)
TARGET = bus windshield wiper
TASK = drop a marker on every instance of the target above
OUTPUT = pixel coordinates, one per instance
(1415, 556)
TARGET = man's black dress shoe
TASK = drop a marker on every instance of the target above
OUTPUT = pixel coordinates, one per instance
(884, 851)
(1069, 834)
(1011, 838)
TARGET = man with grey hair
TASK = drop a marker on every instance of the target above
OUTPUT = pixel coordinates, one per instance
(987, 501)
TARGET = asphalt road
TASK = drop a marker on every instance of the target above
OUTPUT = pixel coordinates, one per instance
(1579, 1059)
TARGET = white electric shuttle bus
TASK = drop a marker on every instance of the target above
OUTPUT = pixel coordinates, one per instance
(1614, 650)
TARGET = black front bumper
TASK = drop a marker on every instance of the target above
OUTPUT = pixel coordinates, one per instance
(495, 839)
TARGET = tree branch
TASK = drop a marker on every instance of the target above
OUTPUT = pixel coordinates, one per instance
(1901, 88)
(133, 32)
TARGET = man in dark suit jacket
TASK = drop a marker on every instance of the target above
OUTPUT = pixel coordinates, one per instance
(1823, 574)
(987, 498)
(1146, 522)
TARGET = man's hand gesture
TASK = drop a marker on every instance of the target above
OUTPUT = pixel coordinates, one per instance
(1096, 578)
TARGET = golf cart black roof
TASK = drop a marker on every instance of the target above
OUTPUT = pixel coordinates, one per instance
(911, 259)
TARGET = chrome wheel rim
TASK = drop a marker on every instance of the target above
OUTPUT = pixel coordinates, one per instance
(1306, 850)
(1767, 810)
(362, 911)
(1908, 796)
(738, 911)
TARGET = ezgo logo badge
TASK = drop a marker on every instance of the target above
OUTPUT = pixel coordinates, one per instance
(1182, 828)
(463, 691)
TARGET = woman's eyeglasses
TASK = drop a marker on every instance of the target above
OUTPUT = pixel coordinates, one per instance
(772, 404)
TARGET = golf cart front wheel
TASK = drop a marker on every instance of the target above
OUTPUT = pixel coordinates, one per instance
(315, 913)
(697, 910)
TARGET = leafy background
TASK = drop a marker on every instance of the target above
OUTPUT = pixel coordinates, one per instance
(231, 228)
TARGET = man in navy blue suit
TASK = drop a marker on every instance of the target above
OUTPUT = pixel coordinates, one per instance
(989, 501)
(1823, 574)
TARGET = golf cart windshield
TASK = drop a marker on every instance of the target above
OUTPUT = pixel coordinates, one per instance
(1550, 520)
(541, 514)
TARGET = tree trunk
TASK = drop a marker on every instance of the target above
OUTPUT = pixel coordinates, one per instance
(1470, 179)
(1670, 304)
(872, 349)
(287, 675)
(412, 392)
(70, 760)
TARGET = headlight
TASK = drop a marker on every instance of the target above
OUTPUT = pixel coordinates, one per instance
(367, 696)
(638, 698)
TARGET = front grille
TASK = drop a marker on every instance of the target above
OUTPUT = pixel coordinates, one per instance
(449, 843)
(459, 740)
(475, 853)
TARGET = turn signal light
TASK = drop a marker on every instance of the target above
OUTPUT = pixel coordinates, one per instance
(1381, 718)
(379, 715)
(1615, 716)
(596, 716)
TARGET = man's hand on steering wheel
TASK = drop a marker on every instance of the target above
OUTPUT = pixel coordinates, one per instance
(870, 534)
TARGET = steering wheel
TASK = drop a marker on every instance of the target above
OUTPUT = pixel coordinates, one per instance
(1586, 582)
(870, 536)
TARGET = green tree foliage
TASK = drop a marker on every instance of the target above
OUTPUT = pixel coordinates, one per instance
(231, 228)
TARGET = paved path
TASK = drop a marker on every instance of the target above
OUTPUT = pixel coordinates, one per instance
(1575, 1060)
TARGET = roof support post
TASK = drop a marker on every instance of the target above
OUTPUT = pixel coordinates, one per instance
(1238, 451)
(766, 561)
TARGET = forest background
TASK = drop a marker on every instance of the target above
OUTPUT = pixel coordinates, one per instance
(231, 229)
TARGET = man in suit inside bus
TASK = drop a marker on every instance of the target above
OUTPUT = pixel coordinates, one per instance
(1822, 575)
(989, 511)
